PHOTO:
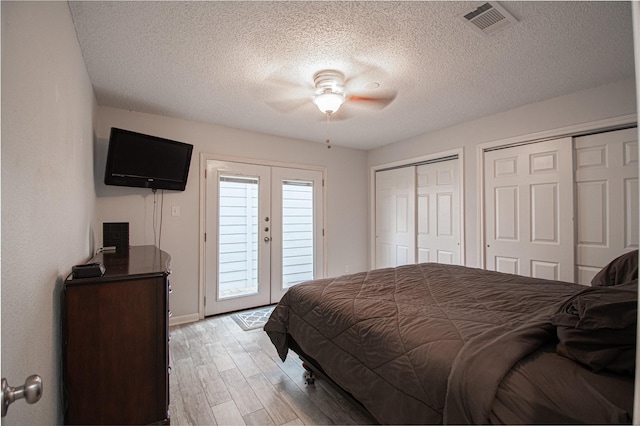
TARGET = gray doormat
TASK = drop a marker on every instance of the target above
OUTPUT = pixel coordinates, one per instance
(255, 318)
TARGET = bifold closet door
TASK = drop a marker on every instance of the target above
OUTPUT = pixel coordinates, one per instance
(395, 217)
(529, 210)
(438, 204)
(606, 170)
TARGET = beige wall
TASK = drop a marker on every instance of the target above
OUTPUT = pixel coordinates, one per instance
(53, 204)
(48, 198)
(346, 202)
(592, 105)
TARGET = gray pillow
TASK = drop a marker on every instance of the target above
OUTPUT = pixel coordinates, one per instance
(620, 270)
(597, 328)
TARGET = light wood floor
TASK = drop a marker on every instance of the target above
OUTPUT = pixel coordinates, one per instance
(223, 375)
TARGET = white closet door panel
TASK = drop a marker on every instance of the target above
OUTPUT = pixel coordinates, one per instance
(545, 270)
(424, 255)
(446, 257)
(402, 255)
(508, 265)
(606, 175)
(445, 214)
(545, 212)
(424, 225)
(402, 214)
(383, 213)
(586, 274)
(395, 217)
(631, 213)
(383, 255)
(506, 208)
(592, 213)
(438, 195)
(529, 210)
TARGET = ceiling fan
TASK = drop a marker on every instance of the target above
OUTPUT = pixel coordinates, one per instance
(331, 90)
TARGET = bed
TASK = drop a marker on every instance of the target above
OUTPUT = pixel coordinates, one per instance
(432, 343)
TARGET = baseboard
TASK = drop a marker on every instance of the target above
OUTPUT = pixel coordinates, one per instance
(184, 319)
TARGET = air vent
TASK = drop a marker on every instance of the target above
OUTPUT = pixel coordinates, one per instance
(488, 18)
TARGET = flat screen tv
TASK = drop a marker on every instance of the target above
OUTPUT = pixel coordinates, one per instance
(144, 161)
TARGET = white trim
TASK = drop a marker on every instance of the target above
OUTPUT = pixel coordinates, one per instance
(400, 163)
(184, 319)
(635, 12)
(204, 157)
(560, 132)
(481, 261)
(572, 131)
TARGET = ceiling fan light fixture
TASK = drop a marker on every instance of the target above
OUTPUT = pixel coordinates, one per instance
(328, 102)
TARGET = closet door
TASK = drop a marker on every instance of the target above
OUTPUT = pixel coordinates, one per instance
(529, 210)
(395, 217)
(606, 167)
(438, 203)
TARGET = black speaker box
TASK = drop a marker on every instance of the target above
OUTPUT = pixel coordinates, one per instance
(115, 234)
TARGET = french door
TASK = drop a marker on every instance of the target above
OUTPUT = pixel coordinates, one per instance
(264, 233)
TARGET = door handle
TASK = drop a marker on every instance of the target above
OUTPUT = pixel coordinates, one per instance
(267, 239)
(31, 391)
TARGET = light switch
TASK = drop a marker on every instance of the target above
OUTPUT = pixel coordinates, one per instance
(175, 210)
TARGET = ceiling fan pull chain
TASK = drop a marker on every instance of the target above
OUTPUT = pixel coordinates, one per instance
(328, 140)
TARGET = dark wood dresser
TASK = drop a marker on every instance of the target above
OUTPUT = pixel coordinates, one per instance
(115, 338)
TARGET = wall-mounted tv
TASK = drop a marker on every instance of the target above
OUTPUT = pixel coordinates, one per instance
(144, 161)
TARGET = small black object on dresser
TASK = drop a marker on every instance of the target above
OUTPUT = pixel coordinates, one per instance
(116, 340)
(88, 270)
(115, 234)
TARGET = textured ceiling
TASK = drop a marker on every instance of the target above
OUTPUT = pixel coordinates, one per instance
(250, 65)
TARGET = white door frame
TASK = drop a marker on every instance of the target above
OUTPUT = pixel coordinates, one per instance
(572, 131)
(372, 198)
(204, 157)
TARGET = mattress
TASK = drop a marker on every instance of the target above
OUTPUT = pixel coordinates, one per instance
(433, 343)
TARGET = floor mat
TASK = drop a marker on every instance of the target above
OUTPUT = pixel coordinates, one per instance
(255, 318)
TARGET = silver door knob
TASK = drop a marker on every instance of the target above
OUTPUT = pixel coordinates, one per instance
(31, 391)
(267, 239)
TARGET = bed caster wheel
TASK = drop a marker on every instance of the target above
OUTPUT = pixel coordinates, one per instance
(309, 378)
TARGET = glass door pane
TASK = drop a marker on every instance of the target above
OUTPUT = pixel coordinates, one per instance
(237, 237)
(297, 228)
(263, 233)
(297, 232)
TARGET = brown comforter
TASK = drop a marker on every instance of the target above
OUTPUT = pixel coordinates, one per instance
(433, 343)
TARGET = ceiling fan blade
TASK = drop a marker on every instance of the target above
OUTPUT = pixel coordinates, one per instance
(363, 72)
(285, 84)
(289, 80)
(282, 93)
(288, 105)
(378, 102)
